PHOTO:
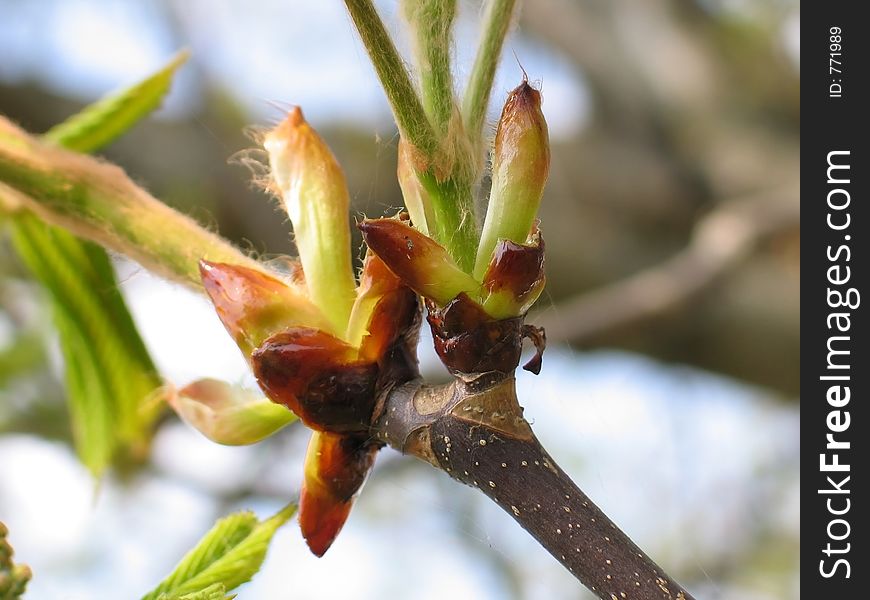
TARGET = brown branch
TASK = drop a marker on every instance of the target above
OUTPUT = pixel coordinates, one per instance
(720, 241)
(473, 429)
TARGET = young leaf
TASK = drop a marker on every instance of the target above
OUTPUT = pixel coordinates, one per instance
(229, 554)
(109, 373)
(213, 592)
(109, 118)
(229, 414)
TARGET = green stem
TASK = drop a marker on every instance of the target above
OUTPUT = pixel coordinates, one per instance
(454, 226)
(497, 20)
(407, 108)
(451, 195)
(431, 22)
(97, 201)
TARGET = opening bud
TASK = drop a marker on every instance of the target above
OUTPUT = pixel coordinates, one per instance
(520, 167)
(313, 191)
(229, 414)
(420, 262)
(253, 306)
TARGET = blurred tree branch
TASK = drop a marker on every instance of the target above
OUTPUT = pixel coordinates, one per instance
(720, 241)
(680, 100)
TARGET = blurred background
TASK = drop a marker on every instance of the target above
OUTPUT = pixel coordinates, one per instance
(670, 386)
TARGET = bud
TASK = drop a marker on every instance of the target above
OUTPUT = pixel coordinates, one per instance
(419, 261)
(319, 377)
(385, 310)
(417, 199)
(313, 191)
(468, 340)
(514, 278)
(229, 414)
(520, 166)
(13, 578)
(375, 281)
(336, 466)
(252, 306)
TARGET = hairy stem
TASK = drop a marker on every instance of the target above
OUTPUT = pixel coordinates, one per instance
(496, 23)
(407, 108)
(454, 227)
(97, 201)
(431, 21)
(438, 158)
(473, 429)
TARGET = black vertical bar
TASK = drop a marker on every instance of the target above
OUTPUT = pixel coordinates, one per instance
(834, 351)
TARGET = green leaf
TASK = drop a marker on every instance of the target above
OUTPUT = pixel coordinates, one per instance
(229, 554)
(212, 592)
(109, 373)
(109, 118)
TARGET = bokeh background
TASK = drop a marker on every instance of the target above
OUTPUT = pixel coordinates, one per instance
(669, 390)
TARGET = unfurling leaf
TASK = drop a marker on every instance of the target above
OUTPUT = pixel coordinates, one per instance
(230, 554)
(229, 414)
(109, 118)
(215, 591)
(109, 374)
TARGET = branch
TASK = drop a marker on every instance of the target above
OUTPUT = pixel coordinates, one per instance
(473, 429)
(99, 202)
(720, 241)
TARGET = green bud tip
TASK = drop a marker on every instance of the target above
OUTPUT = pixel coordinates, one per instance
(520, 167)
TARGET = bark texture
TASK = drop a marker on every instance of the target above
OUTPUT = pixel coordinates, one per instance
(474, 430)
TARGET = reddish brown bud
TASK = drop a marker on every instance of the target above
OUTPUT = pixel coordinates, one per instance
(336, 466)
(468, 340)
(252, 306)
(319, 378)
(419, 261)
(515, 277)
